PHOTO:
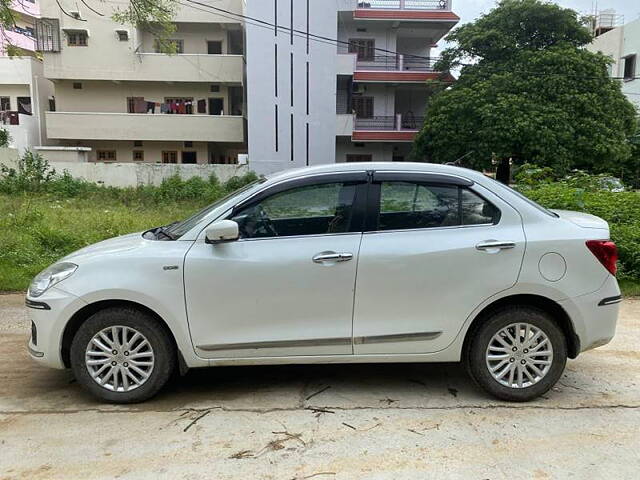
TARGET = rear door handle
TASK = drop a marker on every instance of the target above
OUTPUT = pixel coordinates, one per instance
(328, 257)
(495, 245)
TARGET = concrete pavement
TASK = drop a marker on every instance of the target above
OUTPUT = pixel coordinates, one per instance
(322, 422)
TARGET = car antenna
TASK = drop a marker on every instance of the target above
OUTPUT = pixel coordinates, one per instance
(456, 162)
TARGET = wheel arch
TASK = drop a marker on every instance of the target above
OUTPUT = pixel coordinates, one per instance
(78, 318)
(558, 314)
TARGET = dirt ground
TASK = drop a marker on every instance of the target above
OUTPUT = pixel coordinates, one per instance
(322, 422)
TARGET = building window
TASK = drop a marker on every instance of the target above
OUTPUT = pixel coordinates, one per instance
(363, 107)
(170, 157)
(138, 155)
(629, 67)
(77, 85)
(173, 45)
(137, 143)
(77, 39)
(47, 33)
(352, 158)
(214, 48)
(214, 88)
(364, 48)
(123, 35)
(24, 105)
(188, 144)
(106, 155)
(5, 104)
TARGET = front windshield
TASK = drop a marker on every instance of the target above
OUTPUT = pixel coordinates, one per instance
(178, 229)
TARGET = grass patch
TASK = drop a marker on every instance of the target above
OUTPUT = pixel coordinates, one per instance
(37, 230)
(629, 287)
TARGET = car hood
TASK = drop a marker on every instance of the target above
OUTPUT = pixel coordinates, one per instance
(585, 220)
(108, 247)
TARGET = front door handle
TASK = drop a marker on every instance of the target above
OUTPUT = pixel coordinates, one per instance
(332, 257)
(492, 246)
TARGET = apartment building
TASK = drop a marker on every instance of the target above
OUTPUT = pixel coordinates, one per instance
(340, 80)
(290, 82)
(621, 42)
(23, 89)
(119, 96)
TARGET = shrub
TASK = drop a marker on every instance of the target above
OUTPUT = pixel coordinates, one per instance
(620, 209)
(5, 138)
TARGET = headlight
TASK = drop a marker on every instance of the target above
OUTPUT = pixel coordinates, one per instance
(50, 276)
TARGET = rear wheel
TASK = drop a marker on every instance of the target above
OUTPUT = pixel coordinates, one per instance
(517, 354)
(122, 355)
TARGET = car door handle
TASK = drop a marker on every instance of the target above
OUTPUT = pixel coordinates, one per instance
(332, 257)
(495, 245)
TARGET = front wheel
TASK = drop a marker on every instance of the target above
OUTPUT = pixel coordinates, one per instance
(517, 354)
(122, 355)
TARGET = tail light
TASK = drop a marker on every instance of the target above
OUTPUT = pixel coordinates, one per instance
(606, 252)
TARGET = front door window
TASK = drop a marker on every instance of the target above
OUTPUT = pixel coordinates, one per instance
(310, 210)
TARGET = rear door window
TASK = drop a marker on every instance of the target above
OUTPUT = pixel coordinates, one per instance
(408, 205)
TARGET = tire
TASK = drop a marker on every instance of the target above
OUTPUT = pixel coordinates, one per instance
(156, 359)
(478, 362)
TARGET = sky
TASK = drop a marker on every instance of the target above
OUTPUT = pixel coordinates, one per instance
(469, 10)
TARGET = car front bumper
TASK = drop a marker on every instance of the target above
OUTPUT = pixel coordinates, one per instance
(49, 315)
(595, 315)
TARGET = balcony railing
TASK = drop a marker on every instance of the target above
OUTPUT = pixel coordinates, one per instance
(397, 63)
(406, 4)
(396, 122)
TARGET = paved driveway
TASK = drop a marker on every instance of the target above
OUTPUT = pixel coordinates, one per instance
(322, 422)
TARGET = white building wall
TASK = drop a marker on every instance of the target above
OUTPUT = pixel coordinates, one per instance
(273, 145)
(617, 44)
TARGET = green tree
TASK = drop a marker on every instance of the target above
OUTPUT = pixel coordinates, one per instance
(528, 90)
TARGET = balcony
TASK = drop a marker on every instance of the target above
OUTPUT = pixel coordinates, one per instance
(411, 10)
(19, 37)
(147, 67)
(397, 69)
(389, 128)
(134, 126)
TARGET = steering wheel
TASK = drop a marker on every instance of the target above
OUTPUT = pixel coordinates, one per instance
(264, 225)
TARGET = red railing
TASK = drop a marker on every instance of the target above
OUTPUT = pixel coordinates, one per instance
(406, 4)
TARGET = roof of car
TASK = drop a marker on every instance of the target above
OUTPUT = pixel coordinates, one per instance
(377, 166)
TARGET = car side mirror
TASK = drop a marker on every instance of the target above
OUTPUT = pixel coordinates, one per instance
(222, 232)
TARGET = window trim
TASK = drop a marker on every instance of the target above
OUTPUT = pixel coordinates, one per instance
(633, 58)
(106, 152)
(434, 179)
(77, 34)
(359, 203)
(162, 155)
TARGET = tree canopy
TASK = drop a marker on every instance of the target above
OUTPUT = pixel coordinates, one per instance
(528, 90)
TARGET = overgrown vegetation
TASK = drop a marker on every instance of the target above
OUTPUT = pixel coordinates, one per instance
(45, 215)
(591, 194)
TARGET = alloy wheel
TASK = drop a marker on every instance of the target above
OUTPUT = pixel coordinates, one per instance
(519, 355)
(119, 358)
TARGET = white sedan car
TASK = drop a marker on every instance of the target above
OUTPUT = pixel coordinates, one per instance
(345, 263)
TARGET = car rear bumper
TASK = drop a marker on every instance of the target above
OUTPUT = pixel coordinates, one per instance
(595, 315)
(49, 315)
